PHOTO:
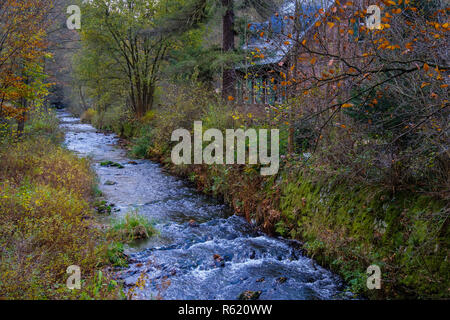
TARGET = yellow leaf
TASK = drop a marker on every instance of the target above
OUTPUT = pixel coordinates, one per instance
(347, 105)
(330, 24)
(424, 84)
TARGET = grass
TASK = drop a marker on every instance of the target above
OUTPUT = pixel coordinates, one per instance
(132, 227)
(116, 255)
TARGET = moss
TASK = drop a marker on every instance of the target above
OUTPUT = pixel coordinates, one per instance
(349, 228)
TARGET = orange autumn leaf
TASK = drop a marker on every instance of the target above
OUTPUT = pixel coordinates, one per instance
(347, 105)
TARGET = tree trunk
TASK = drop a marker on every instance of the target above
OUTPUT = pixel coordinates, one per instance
(21, 123)
(83, 101)
(228, 77)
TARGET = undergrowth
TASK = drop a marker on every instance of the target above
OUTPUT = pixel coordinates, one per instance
(46, 220)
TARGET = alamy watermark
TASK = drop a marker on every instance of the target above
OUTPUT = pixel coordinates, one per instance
(74, 20)
(74, 280)
(235, 151)
(374, 277)
(373, 21)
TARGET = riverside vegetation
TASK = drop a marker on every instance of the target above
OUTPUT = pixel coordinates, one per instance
(47, 198)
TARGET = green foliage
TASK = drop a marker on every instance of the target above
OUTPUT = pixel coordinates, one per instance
(142, 143)
(116, 256)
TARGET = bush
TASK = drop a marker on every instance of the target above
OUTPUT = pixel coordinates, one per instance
(142, 143)
(88, 116)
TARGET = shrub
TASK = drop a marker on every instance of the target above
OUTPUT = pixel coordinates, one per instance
(142, 143)
(88, 116)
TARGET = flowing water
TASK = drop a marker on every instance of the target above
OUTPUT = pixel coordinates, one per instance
(179, 262)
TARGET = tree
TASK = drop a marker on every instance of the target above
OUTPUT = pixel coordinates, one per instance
(125, 45)
(22, 49)
(228, 76)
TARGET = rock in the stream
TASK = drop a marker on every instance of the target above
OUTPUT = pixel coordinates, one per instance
(281, 279)
(111, 164)
(218, 261)
(103, 207)
(193, 224)
(110, 183)
(249, 295)
(140, 232)
(134, 163)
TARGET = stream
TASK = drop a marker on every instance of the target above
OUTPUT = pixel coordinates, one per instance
(179, 263)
